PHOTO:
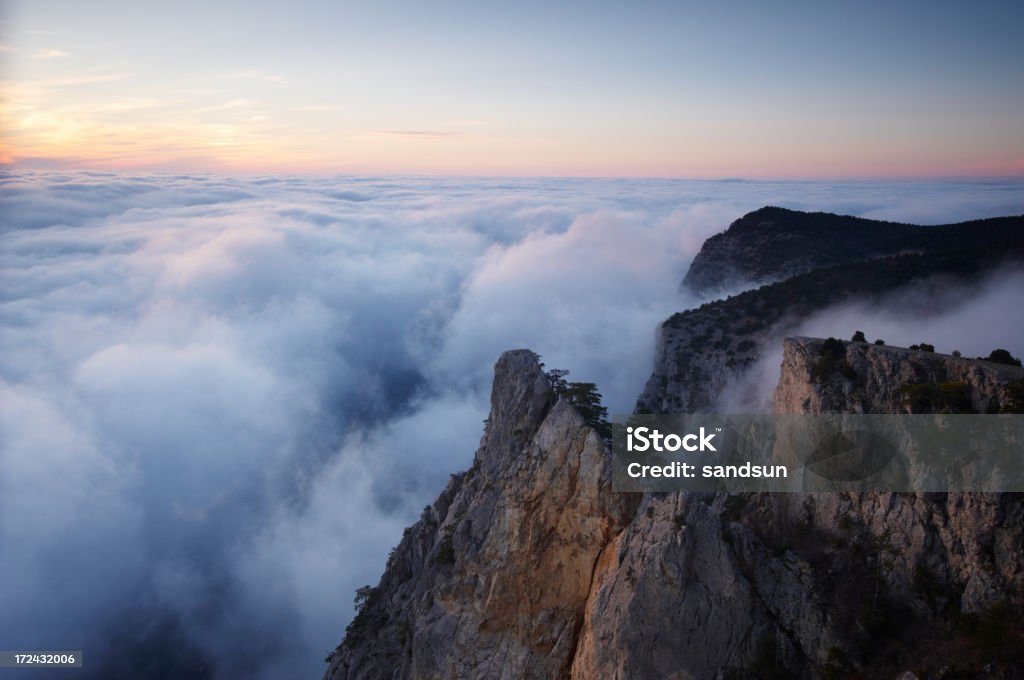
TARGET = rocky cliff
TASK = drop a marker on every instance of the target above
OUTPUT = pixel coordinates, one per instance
(529, 566)
(772, 244)
(702, 350)
(881, 379)
(492, 582)
(823, 585)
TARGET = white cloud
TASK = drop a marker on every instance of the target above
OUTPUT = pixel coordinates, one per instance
(226, 397)
(50, 54)
(274, 78)
(973, 319)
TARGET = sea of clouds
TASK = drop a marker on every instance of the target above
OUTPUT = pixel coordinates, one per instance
(224, 398)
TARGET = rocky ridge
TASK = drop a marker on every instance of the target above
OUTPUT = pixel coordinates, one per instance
(814, 585)
(880, 376)
(529, 566)
(772, 244)
(702, 350)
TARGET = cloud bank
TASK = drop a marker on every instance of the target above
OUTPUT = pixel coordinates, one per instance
(225, 398)
(972, 319)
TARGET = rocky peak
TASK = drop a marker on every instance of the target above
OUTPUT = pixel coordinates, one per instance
(520, 398)
(493, 580)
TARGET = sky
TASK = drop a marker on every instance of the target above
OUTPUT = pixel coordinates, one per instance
(653, 89)
(224, 398)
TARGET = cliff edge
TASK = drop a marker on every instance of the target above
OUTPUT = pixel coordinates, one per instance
(493, 580)
(529, 566)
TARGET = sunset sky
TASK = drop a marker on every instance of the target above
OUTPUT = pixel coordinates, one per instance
(662, 89)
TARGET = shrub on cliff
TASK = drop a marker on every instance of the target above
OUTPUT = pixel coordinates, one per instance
(1015, 398)
(584, 397)
(948, 397)
(833, 348)
(587, 400)
(1002, 356)
(832, 358)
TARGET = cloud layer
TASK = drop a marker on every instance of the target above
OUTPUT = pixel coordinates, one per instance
(224, 398)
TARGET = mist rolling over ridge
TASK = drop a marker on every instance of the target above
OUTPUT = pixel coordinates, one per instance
(226, 397)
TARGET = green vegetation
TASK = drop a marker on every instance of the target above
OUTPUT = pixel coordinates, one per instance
(858, 336)
(364, 600)
(960, 259)
(1014, 398)
(832, 358)
(948, 397)
(745, 345)
(833, 348)
(363, 596)
(771, 235)
(584, 397)
(445, 552)
(879, 341)
(1002, 356)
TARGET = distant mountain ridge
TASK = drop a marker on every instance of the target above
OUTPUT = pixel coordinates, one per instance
(701, 350)
(772, 244)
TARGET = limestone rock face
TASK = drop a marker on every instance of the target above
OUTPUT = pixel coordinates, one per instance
(811, 585)
(702, 351)
(972, 541)
(879, 372)
(493, 580)
(529, 566)
(686, 595)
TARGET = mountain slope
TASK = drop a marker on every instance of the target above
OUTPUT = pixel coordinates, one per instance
(773, 244)
(702, 350)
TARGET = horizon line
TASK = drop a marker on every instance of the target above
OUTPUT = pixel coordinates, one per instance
(17, 167)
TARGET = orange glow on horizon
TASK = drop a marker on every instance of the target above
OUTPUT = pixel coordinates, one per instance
(50, 124)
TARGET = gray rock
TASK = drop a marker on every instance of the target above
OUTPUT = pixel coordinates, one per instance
(493, 580)
(528, 566)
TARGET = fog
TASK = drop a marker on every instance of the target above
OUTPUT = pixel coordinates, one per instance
(950, 315)
(224, 398)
